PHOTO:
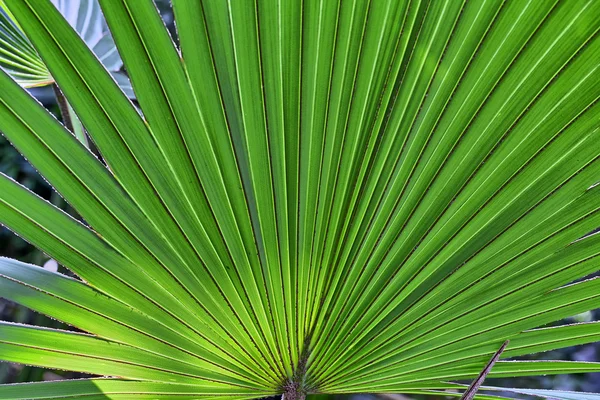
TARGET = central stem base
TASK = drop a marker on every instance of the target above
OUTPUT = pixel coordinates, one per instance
(293, 391)
(295, 388)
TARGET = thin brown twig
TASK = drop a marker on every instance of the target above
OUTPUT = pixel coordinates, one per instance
(472, 390)
(64, 107)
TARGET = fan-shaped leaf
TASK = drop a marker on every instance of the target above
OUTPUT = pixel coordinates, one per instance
(313, 196)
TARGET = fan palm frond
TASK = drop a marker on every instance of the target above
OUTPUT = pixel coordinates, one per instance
(313, 197)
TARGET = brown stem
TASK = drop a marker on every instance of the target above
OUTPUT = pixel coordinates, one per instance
(64, 107)
(472, 390)
(293, 396)
(295, 387)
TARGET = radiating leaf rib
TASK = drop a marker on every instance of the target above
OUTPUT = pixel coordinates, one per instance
(461, 37)
(432, 33)
(349, 42)
(446, 149)
(504, 369)
(392, 287)
(312, 196)
(528, 171)
(278, 30)
(67, 350)
(272, 29)
(18, 57)
(536, 233)
(405, 48)
(437, 11)
(79, 305)
(210, 105)
(462, 346)
(122, 389)
(502, 325)
(561, 169)
(98, 214)
(246, 54)
(321, 32)
(540, 340)
(134, 176)
(69, 242)
(73, 245)
(17, 53)
(239, 79)
(574, 235)
(177, 97)
(11, 26)
(223, 44)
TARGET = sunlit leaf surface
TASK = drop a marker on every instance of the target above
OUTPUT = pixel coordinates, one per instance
(313, 197)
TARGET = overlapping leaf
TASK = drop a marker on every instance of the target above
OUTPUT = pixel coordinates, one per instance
(20, 59)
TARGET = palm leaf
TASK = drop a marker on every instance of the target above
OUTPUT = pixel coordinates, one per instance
(20, 59)
(551, 394)
(313, 197)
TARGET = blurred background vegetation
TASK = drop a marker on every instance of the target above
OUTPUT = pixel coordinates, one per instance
(15, 166)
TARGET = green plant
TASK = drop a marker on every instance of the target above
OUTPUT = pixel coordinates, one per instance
(20, 60)
(314, 197)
